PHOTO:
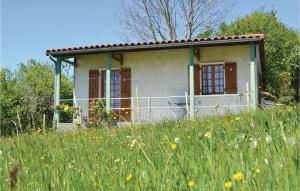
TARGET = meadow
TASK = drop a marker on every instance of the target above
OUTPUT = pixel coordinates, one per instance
(250, 151)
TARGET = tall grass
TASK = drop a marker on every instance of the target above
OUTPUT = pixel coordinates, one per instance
(260, 148)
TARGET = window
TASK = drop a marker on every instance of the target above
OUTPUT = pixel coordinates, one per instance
(115, 88)
(212, 79)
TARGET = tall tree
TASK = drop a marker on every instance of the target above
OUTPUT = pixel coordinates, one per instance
(8, 101)
(281, 50)
(170, 19)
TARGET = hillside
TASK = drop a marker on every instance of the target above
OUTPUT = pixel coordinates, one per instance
(250, 151)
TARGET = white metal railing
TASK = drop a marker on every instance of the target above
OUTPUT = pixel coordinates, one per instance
(150, 108)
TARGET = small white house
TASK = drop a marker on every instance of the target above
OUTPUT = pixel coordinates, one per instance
(152, 81)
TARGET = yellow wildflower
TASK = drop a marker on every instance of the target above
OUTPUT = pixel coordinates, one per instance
(238, 176)
(228, 185)
(257, 171)
(66, 108)
(133, 142)
(173, 146)
(207, 135)
(42, 158)
(191, 183)
(237, 118)
(129, 177)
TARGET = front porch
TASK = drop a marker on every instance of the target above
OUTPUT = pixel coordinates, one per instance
(164, 84)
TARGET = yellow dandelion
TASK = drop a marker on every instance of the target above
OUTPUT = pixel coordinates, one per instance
(66, 108)
(238, 176)
(173, 146)
(191, 183)
(228, 185)
(207, 135)
(129, 177)
(237, 118)
(257, 171)
(289, 109)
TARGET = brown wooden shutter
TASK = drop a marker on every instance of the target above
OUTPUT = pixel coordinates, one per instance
(93, 84)
(125, 93)
(230, 78)
(103, 76)
(197, 84)
(93, 88)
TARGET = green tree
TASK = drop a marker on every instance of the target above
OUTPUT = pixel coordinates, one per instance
(8, 101)
(281, 50)
(27, 94)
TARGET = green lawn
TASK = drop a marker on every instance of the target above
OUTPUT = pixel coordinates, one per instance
(251, 151)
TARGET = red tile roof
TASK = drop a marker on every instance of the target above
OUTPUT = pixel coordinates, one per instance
(257, 37)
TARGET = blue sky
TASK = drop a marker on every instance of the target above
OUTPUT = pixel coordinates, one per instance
(29, 27)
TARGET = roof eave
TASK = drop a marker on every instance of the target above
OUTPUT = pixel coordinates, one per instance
(145, 47)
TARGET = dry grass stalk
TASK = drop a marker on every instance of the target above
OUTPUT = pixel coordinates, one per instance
(13, 174)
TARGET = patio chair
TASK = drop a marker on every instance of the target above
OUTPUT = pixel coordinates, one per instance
(178, 110)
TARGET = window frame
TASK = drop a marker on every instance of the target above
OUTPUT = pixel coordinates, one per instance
(103, 83)
(213, 64)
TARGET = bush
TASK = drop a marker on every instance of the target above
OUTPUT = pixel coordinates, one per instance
(26, 95)
(98, 117)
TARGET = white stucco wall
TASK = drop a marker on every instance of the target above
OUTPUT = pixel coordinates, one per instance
(158, 73)
(165, 73)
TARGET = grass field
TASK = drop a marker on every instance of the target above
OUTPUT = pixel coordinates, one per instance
(250, 151)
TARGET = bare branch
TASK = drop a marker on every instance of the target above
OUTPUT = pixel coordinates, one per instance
(171, 19)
